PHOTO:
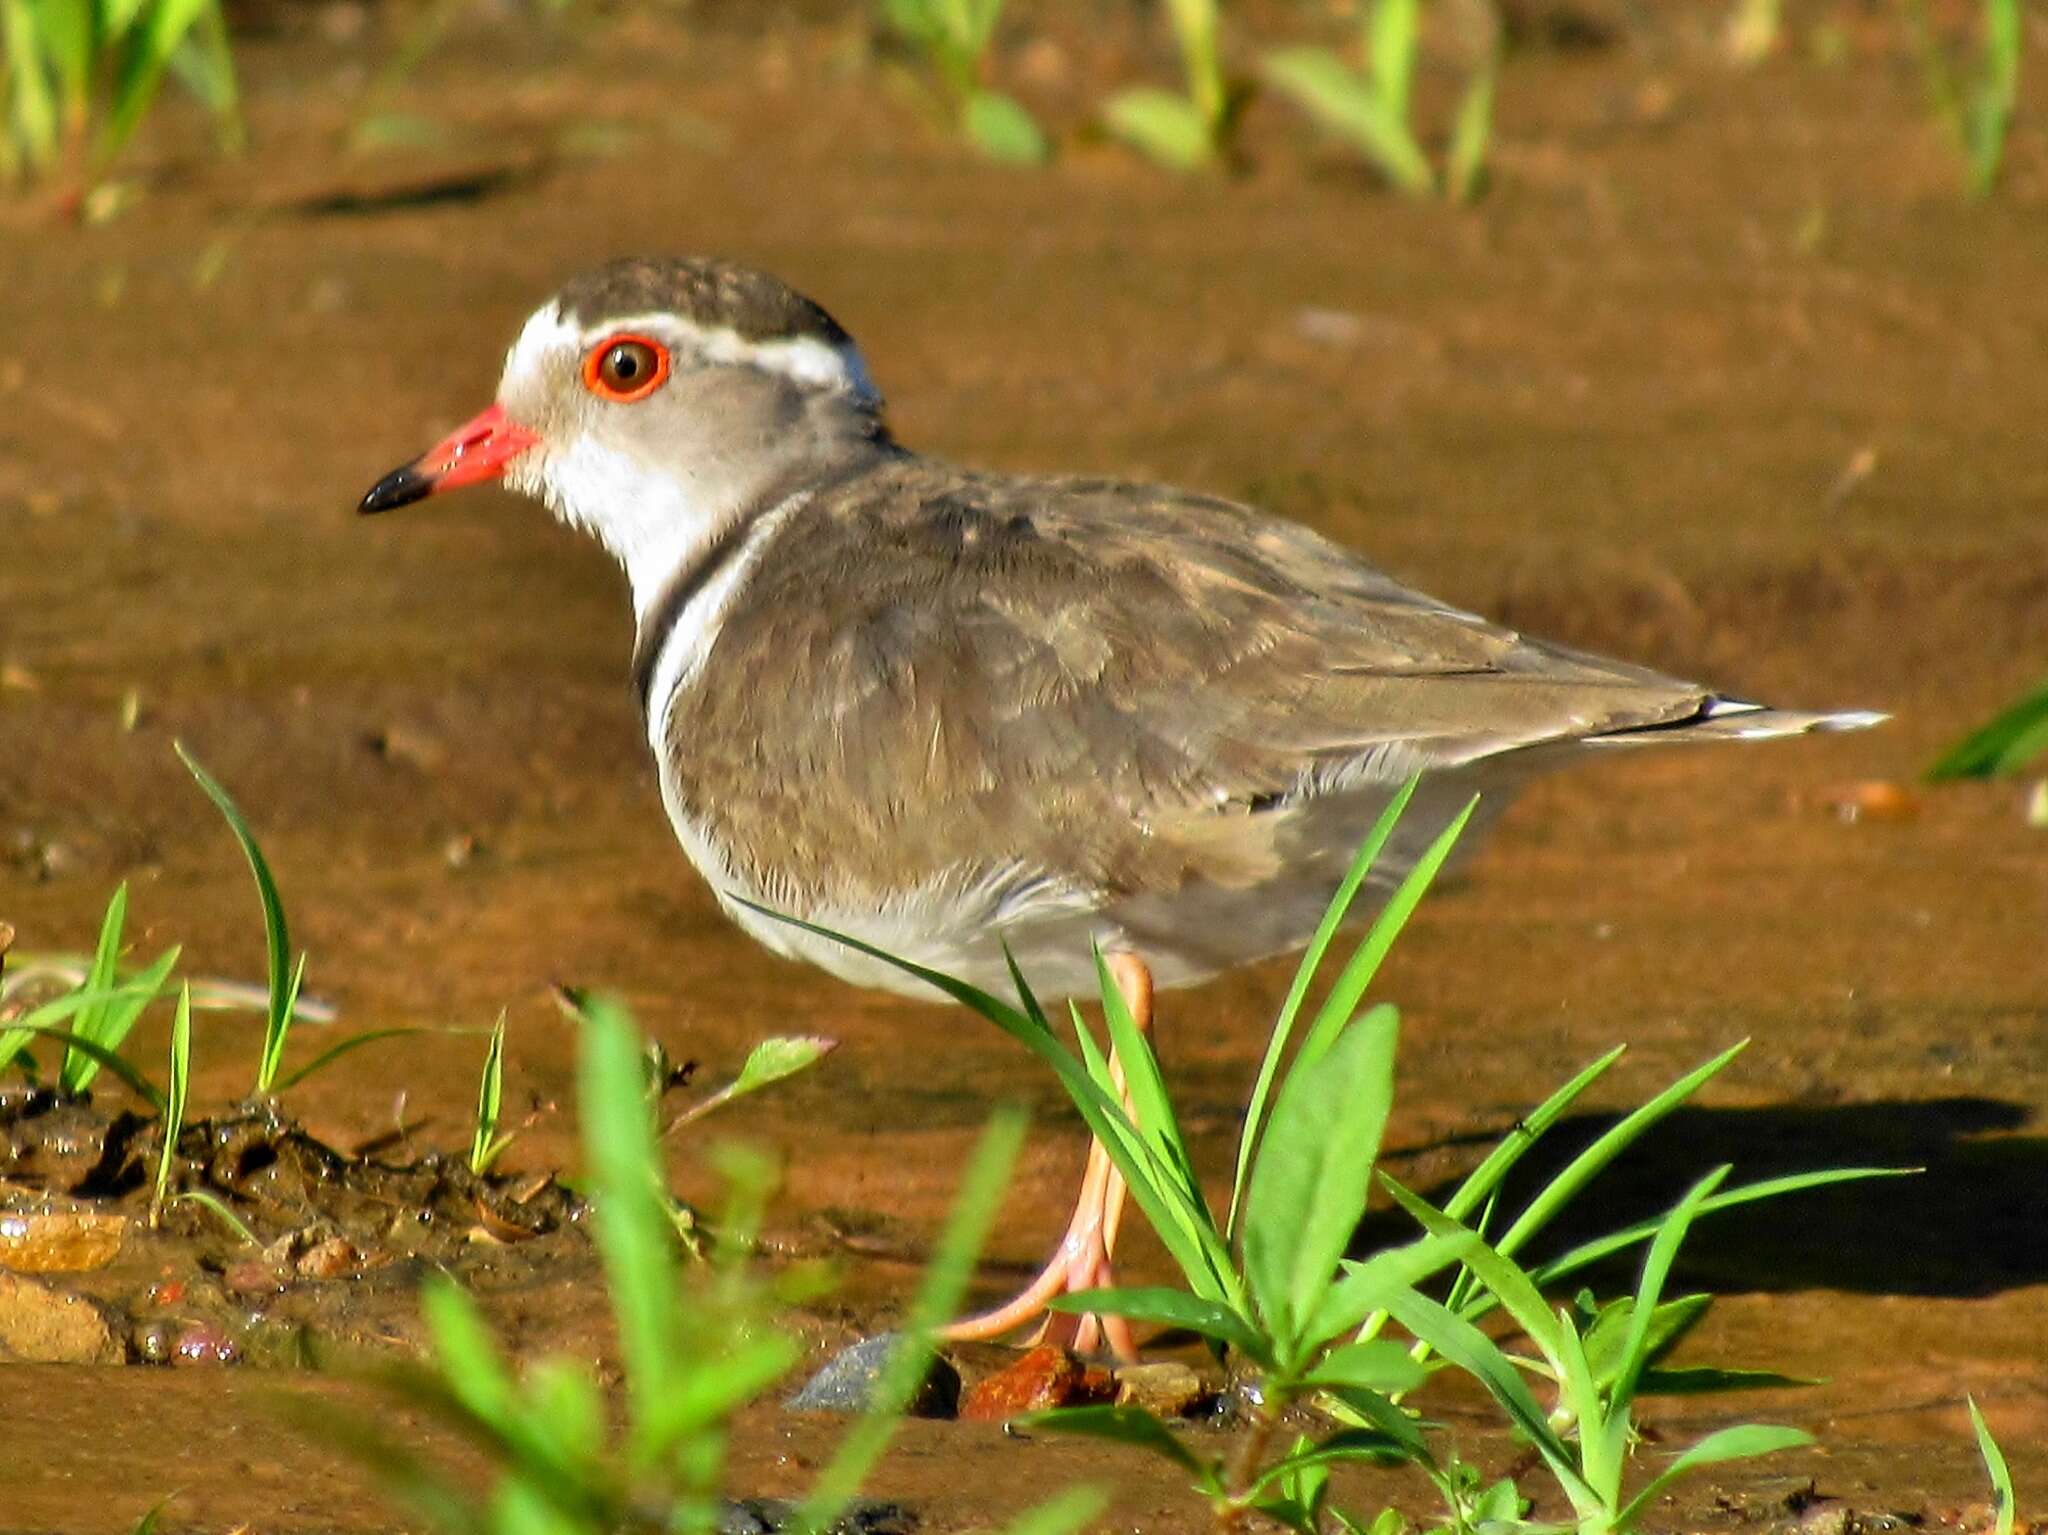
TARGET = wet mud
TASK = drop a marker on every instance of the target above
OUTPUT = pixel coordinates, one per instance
(1722, 376)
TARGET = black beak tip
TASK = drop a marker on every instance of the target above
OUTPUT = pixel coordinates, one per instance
(401, 487)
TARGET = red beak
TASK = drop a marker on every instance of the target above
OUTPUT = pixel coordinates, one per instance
(479, 450)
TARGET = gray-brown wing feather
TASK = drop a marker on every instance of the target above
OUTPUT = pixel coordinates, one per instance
(1125, 688)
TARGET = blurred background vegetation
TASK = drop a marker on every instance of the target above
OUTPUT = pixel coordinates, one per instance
(1407, 88)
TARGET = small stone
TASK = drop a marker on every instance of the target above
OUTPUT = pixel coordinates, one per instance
(203, 1343)
(1874, 800)
(848, 1380)
(59, 1242)
(329, 1259)
(254, 1276)
(1044, 1378)
(41, 1325)
(1168, 1390)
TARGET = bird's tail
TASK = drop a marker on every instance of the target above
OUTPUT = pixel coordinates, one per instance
(1736, 719)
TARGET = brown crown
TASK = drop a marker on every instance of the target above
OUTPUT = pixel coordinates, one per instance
(716, 295)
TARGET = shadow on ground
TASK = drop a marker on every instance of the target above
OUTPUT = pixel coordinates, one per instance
(1967, 1224)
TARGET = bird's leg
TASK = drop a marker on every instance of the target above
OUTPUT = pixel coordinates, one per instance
(1082, 1260)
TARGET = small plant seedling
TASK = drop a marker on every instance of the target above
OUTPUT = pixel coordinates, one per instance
(286, 975)
(954, 37)
(1371, 109)
(1974, 104)
(1192, 129)
(485, 1142)
(78, 76)
(173, 1121)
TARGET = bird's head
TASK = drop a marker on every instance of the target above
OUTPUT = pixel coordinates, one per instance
(648, 397)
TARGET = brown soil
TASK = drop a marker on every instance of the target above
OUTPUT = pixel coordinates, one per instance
(1723, 376)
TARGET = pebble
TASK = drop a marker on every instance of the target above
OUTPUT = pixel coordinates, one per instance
(1044, 1378)
(59, 1242)
(1168, 1390)
(848, 1379)
(41, 1325)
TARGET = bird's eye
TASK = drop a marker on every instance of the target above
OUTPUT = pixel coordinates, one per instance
(625, 368)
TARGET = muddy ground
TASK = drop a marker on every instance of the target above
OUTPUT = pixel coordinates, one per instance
(1723, 376)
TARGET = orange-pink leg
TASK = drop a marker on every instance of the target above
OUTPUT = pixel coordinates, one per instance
(1082, 1260)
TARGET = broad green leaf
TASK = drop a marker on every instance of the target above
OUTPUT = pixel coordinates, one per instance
(1351, 1299)
(1167, 129)
(1000, 128)
(1125, 1425)
(1304, 975)
(1313, 1171)
(1172, 1308)
(1606, 1338)
(1378, 1365)
(1739, 1443)
(767, 1063)
(1345, 104)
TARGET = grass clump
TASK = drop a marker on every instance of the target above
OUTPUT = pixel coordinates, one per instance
(1271, 1284)
(77, 77)
(953, 39)
(698, 1343)
(1371, 109)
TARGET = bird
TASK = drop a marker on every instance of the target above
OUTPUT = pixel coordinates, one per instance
(963, 716)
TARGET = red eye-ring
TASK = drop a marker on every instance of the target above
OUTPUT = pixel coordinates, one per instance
(625, 368)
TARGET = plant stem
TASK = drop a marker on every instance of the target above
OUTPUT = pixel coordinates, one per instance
(1245, 1461)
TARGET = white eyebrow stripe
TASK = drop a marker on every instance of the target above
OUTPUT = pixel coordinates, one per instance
(809, 360)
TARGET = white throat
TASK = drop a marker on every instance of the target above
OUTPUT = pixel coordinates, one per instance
(654, 521)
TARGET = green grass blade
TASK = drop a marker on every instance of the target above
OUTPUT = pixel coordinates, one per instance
(1465, 161)
(115, 1019)
(30, 131)
(1996, 1468)
(277, 937)
(1314, 1171)
(1342, 1003)
(95, 1051)
(938, 1297)
(1065, 1513)
(139, 67)
(1352, 1298)
(1172, 1308)
(1207, 1264)
(1304, 976)
(1739, 1443)
(335, 1052)
(1581, 1170)
(76, 1071)
(1394, 32)
(632, 1227)
(174, 1103)
(2003, 745)
(217, 1207)
(490, 1097)
(1481, 1183)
